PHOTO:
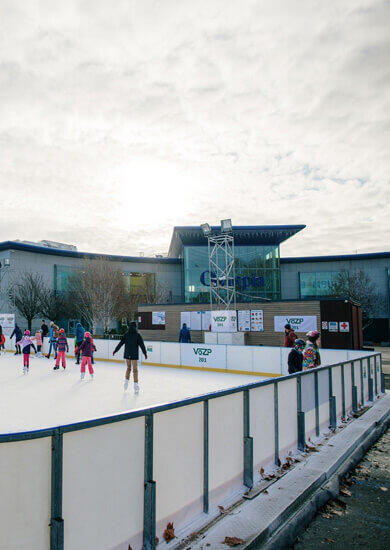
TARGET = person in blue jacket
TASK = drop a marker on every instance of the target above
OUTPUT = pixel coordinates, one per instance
(18, 336)
(185, 335)
(79, 340)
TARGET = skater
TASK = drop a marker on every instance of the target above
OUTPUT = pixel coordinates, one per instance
(295, 357)
(44, 331)
(38, 341)
(78, 341)
(132, 341)
(311, 353)
(185, 334)
(52, 339)
(2, 342)
(26, 344)
(62, 347)
(18, 336)
(289, 336)
(86, 348)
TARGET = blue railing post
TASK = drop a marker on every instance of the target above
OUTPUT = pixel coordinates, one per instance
(206, 456)
(276, 422)
(332, 402)
(317, 404)
(149, 534)
(354, 388)
(300, 417)
(56, 520)
(248, 443)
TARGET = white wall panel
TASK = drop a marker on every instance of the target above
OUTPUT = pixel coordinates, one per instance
(226, 445)
(240, 358)
(103, 486)
(25, 481)
(178, 463)
(348, 387)
(337, 390)
(154, 353)
(262, 429)
(266, 359)
(288, 426)
(170, 353)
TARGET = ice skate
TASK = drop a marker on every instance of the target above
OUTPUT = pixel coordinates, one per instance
(91, 375)
(126, 385)
(82, 375)
(56, 367)
(25, 370)
(136, 387)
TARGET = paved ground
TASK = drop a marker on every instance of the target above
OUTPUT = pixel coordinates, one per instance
(361, 516)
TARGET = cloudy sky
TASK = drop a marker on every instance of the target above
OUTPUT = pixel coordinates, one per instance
(119, 120)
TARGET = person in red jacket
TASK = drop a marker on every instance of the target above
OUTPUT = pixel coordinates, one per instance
(289, 336)
(87, 348)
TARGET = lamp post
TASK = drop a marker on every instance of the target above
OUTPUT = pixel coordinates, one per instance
(221, 265)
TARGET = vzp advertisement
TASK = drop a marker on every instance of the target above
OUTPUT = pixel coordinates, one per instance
(203, 355)
(224, 321)
(299, 323)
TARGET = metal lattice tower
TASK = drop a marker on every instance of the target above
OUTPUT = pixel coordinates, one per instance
(222, 271)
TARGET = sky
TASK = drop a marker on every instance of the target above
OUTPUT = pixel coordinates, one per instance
(120, 120)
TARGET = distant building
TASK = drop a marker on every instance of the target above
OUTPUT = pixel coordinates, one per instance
(184, 274)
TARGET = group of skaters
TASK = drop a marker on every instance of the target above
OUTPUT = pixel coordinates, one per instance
(303, 355)
(84, 347)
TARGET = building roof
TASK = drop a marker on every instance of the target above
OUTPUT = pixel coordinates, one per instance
(342, 257)
(243, 235)
(15, 245)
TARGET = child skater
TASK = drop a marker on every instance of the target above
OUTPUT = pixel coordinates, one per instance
(61, 347)
(2, 342)
(38, 341)
(87, 348)
(26, 343)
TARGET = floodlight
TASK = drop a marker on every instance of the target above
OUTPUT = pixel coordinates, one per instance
(226, 226)
(206, 229)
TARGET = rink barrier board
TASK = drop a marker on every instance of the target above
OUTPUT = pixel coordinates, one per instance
(286, 433)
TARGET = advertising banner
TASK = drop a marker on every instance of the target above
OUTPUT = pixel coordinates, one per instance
(299, 323)
(206, 320)
(158, 318)
(333, 326)
(7, 321)
(203, 355)
(257, 320)
(224, 321)
(196, 320)
(344, 326)
(244, 320)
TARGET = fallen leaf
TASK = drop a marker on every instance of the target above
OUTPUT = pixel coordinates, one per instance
(344, 491)
(383, 488)
(169, 532)
(156, 541)
(221, 509)
(233, 541)
(265, 492)
(279, 463)
(331, 541)
(261, 471)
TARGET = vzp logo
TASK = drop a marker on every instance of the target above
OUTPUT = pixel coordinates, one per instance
(220, 319)
(294, 320)
(202, 351)
(150, 348)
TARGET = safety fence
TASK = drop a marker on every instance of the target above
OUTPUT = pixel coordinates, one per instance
(118, 480)
(252, 360)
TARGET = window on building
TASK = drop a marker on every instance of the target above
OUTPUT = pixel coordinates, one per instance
(316, 284)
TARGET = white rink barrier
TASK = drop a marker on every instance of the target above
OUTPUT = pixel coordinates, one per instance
(108, 483)
(253, 360)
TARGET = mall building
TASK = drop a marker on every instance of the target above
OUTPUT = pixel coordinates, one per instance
(183, 275)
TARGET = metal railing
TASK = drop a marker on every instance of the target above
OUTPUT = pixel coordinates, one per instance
(149, 521)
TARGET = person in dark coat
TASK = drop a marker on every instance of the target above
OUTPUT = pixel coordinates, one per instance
(132, 340)
(79, 340)
(295, 357)
(18, 336)
(185, 334)
(45, 331)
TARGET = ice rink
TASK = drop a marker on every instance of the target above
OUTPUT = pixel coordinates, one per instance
(46, 398)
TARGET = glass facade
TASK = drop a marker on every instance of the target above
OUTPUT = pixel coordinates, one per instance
(257, 273)
(316, 284)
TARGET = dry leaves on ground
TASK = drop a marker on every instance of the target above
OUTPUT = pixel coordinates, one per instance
(169, 532)
(233, 541)
(383, 488)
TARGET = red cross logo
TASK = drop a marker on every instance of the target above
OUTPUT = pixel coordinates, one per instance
(344, 325)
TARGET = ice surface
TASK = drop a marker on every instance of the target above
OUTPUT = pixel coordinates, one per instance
(45, 398)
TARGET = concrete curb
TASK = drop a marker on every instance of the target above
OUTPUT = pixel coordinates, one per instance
(273, 521)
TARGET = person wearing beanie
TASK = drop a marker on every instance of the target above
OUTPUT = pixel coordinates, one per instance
(311, 353)
(295, 357)
(18, 336)
(87, 347)
(26, 344)
(62, 347)
(132, 340)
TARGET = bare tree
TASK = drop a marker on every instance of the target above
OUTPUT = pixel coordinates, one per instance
(26, 295)
(95, 292)
(148, 293)
(53, 304)
(358, 287)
